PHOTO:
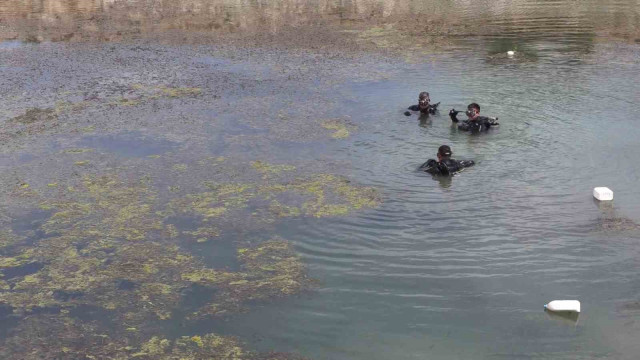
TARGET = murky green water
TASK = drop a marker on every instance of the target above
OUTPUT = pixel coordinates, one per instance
(154, 190)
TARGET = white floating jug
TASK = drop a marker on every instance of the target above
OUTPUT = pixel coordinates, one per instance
(563, 305)
(603, 193)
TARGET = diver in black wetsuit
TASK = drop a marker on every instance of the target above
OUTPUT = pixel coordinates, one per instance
(445, 164)
(424, 105)
(475, 122)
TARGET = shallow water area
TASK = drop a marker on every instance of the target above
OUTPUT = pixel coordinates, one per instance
(127, 144)
(262, 182)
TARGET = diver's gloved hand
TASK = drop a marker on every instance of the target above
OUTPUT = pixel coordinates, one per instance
(453, 114)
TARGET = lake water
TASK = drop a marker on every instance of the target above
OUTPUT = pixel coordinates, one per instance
(455, 268)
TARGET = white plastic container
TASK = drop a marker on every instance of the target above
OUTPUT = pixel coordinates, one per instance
(603, 193)
(511, 52)
(563, 305)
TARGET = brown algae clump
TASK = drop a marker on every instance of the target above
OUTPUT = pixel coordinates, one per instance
(36, 115)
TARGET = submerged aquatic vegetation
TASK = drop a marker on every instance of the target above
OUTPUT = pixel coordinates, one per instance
(33, 115)
(617, 223)
(270, 169)
(77, 151)
(204, 234)
(104, 238)
(109, 244)
(318, 195)
(269, 270)
(214, 203)
(327, 195)
(65, 338)
(38, 119)
(8, 237)
(179, 91)
(147, 92)
(340, 127)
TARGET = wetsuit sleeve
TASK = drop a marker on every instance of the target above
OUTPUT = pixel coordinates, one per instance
(489, 122)
(465, 163)
(464, 126)
(433, 108)
(454, 117)
(414, 108)
(431, 166)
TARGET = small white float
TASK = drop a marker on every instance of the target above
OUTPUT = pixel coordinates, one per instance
(511, 52)
(603, 193)
(563, 306)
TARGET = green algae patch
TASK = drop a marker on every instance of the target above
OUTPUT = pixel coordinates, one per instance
(15, 261)
(175, 92)
(270, 270)
(62, 337)
(146, 92)
(321, 195)
(77, 151)
(204, 234)
(66, 106)
(180, 167)
(215, 203)
(102, 238)
(341, 130)
(109, 246)
(269, 169)
(281, 210)
(275, 269)
(210, 277)
(108, 206)
(88, 129)
(8, 237)
(327, 195)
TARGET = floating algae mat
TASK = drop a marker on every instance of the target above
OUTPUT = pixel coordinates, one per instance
(118, 245)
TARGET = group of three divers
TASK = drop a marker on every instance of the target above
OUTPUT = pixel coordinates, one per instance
(474, 123)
